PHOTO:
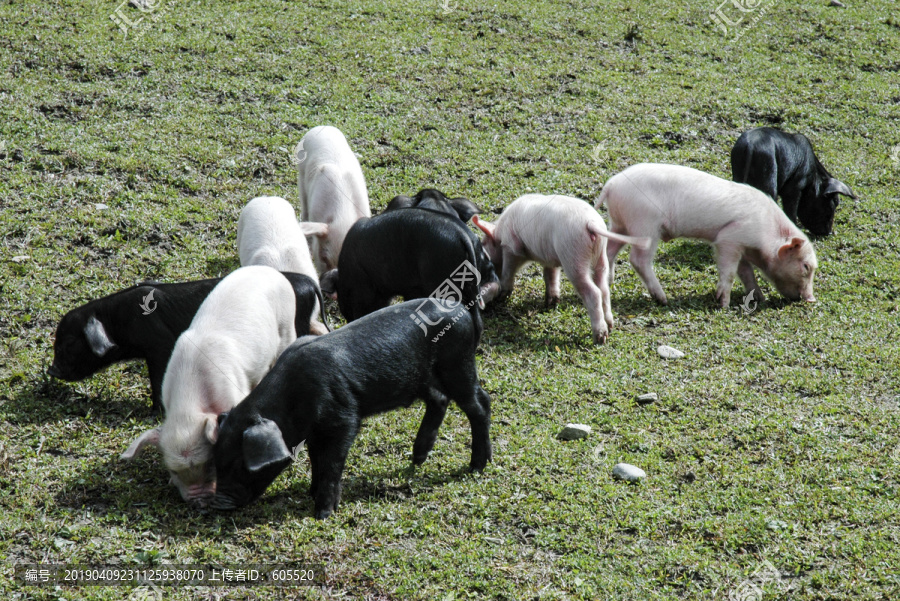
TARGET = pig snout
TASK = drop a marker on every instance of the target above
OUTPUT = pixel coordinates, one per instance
(490, 291)
(201, 495)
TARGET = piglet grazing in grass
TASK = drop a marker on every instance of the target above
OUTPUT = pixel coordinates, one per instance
(784, 164)
(332, 190)
(744, 225)
(269, 234)
(323, 387)
(143, 322)
(556, 231)
(413, 253)
(234, 339)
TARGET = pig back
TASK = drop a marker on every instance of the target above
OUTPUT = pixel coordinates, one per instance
(409, 253)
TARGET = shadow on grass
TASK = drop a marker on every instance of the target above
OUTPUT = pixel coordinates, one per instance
(130, 490)
(690, 253)
(44, 399)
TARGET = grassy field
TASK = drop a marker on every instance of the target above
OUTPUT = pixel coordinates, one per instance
(773, 453)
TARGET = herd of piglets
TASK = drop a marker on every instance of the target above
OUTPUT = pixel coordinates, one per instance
(246, 368)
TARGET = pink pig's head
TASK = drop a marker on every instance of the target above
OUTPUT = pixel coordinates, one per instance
(494, 251)
(490, 243)
(793, 268)
(186, 447)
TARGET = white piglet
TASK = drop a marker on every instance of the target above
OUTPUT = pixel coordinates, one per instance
(269, 234)
(234, 339)
(332, 190)
(556, 231)
(745, 226)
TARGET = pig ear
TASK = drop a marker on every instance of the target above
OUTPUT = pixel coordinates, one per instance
(791, 246)
(328, 283)
(150, 437)
(211, 429)
(465, 208)
(97, 337)
(485, 226)
(400, 202)
(264, 446)
(313, 228)
(839, 187)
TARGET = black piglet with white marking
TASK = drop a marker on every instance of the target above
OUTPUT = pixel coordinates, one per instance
(143, 322)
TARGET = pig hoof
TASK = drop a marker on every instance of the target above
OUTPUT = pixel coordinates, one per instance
(601, 338)
(323, 514)
(551, 301)
(419, 459)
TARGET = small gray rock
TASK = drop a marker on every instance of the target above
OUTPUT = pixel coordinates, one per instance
(574, 432)
(646, 399)
(667, 352)
(100, 206)
(628, 472)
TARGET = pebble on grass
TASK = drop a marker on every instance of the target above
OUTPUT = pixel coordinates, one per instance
(667, 352)
(628, 472)
(574, 432)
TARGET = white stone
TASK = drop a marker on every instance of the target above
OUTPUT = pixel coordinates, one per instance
(646, 399)
(628, 472)
(20, 258)
(667, 352)
(100, 206)
(574, 432)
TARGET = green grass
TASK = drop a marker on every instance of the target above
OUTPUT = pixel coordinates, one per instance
(775, 439)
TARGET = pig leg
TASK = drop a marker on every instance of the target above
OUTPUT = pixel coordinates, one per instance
(551, 286)
(748, 278)
(317, 328)
(728, 257)
(313, 472)
(791, 202)
(612, 251)
(642, 261)
(460, 383)
(435, 410)
(592, 298)
(602, 280)
(511, 265)
(477, 407)
(156, 373)
(331, 456)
